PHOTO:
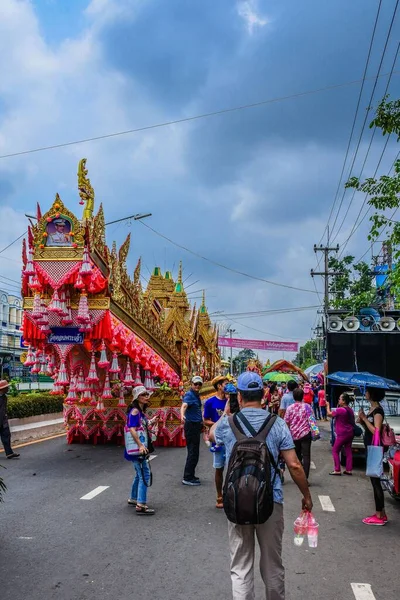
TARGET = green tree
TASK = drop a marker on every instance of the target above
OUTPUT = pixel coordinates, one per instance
(384, 191)
(308, 355)
(353, 287)
(240, 361)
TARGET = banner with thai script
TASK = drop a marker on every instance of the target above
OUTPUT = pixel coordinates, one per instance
(65, 335)
(227, 342)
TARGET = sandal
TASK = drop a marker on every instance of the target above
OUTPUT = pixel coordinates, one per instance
(335, 473)
(219, 503)
(144, 510)
(348, 473)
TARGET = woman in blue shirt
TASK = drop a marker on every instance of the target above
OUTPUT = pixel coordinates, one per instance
(138, 427)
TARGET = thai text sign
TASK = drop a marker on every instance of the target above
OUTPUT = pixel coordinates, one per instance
(258, 344)
(65, 335)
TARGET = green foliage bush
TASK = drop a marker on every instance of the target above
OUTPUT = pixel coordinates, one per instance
(29, 405)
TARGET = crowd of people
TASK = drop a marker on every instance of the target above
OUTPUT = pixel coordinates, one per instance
(234, 413)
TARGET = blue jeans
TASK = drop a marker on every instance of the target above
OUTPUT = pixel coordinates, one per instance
(139, 488)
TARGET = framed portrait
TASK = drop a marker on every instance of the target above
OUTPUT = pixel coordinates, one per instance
(58, 231)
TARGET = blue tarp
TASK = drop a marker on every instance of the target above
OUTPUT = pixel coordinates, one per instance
(362, 380)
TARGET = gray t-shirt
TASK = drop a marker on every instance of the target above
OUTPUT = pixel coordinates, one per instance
(287, 400)
(278, 439)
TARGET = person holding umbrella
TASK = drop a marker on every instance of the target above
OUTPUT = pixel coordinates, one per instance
(370, 422)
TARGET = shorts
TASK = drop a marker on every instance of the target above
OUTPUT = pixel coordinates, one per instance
(219, 458)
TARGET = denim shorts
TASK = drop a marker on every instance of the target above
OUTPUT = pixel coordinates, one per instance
(219, 458)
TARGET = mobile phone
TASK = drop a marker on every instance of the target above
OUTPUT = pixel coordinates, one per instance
(234, 403)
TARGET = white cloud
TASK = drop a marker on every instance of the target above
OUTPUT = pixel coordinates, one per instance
(248, 11)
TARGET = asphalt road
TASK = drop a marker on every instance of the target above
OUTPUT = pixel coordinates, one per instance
(56, 546)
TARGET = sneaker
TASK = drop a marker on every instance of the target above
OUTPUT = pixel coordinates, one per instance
(196, 479)
(191, 482)
(13, 455)
(374, 520)
(385, 518)
(132, 501)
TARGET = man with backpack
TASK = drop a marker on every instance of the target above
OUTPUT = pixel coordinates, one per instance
(253, 497)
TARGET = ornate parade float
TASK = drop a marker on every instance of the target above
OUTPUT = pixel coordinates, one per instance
(97, 333)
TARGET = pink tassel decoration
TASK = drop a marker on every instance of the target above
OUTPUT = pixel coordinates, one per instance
(62, 379)
(34, 283)
(67, 319)
(79, 283)
(30, 268)
(121, 401)
(115, 368)
(138, 379)
(55, 304)
(128, 379)
(147, 379)
(100, 404)
(103, 363)
(86, 267)
(92, 376)
(80, 383)
(107, 395)
(30, 358)
(43, 364)
(63, 304)
(83, 309)
(72, 397)
(86, 396)
(36, 366)
(37, 307)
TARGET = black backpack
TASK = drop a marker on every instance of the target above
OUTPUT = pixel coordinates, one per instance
(248, 487)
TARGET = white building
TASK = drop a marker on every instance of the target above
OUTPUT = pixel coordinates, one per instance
(10, 334)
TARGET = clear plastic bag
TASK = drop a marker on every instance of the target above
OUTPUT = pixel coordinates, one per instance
(306, 525)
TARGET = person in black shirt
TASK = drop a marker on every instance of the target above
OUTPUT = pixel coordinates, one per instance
(371, 421)
(5, 433)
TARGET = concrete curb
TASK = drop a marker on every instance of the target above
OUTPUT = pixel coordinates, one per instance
(36, 427)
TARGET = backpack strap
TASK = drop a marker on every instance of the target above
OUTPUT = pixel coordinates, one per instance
(236, 429)
(260, 436)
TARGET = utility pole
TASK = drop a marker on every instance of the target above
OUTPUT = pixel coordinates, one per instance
(326, 273)
(231, 331)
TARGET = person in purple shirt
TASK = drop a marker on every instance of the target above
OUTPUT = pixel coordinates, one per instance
(213, 410)
(344, 429)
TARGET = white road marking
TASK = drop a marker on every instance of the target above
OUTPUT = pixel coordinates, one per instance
(152, 456)
(22, 537)
(326, 503)
(362, 591)
(312, 465)
(95, 492)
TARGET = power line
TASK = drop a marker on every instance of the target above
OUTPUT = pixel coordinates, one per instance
(368, 110)
(261, 313)
(365, 159)
(9, 245)
(14, 280)
(213, 262)
(267, 332)
(354, 122)
(187, 119)
(369, 210)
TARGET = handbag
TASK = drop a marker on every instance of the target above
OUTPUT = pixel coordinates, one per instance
(314, 429)
(375, 457)
(357, 430)
(131, 447)
(388, 436)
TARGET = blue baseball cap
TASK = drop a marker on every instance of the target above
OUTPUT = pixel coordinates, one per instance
(230, 388)
(249, 382)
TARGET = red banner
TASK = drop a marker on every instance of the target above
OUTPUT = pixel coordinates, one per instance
(258, 344)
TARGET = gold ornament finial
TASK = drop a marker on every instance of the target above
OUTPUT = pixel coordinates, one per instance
(86, 191)
(136, 275)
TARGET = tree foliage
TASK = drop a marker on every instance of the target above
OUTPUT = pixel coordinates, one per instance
(240, 361)
(308, 355)
(352, 288)
(384, 191)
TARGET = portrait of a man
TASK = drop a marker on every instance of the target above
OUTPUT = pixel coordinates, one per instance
(58, 232)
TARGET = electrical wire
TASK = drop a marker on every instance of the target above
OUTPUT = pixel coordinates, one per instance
(13, 280)
(213, 262)
(188, 119)
(264, 313)
(354, 122)
(11, 243)
(368, 211)
(282, 337)
(365, 160)
(369, 108)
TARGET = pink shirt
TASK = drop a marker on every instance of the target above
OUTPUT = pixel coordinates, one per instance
(344, 421)
(297, 418)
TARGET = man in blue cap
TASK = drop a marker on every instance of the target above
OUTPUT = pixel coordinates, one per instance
(270, 533)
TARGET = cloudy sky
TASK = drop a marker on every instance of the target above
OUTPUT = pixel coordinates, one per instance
(250, 189)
